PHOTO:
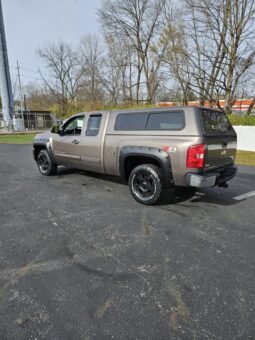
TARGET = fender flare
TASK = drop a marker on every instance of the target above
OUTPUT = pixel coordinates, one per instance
(43, 143)
(157, 154)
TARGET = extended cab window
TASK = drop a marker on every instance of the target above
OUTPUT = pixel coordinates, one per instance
(172, 120)
(131, 121)
(73, 126)
(93, 126)
(215, 122)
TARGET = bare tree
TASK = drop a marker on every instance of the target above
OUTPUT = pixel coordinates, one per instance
(37, 97)
(64, 72)
(119, 76)
(139, 22)
(176, 57)
(91, 59)
(246, 88)
(114, 67)
(220, 46)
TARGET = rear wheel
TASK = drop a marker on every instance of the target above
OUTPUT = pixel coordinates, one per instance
(45, 164)
(145, 183)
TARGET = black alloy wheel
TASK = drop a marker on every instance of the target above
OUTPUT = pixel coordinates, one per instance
(45, 164)
(145, 183)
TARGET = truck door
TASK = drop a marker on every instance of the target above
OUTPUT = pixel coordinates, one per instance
(66, 145)
(92, 143)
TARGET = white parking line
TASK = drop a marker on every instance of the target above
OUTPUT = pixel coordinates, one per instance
(241, 197)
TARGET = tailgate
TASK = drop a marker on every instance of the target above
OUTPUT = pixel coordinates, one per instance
(220, 138)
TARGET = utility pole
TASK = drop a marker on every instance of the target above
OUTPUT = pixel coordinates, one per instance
(25, 103)
(20, 88)
(5, 79)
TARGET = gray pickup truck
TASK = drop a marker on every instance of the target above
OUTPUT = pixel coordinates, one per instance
(152, 149)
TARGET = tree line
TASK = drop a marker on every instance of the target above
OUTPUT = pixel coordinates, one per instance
(153, 50)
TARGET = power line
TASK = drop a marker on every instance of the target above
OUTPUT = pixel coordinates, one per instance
(29, 66)
(30, 76)
(30, 71)
(25, 69)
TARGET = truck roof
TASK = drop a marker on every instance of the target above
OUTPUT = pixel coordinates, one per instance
(153, 109)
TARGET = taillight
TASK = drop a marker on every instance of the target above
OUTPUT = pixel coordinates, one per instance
(195, 156)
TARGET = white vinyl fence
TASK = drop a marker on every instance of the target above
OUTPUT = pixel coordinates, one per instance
(245, 137)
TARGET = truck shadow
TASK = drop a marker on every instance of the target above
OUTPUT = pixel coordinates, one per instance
(193, 197)
(64, 171)
(177, 195)
(190, 197)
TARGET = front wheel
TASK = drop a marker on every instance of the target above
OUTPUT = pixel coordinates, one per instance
(145, 183)
(45, 164)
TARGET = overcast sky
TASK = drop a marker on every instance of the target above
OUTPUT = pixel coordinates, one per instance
(30, 24)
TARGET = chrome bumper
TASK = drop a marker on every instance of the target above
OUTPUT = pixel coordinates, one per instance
(201, 181)
(218, 177)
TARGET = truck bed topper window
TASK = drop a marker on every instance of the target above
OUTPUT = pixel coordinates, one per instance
(172, 120)
(215, 122)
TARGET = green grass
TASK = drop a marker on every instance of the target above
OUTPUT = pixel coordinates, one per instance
(17, 139)
(245, 158)
(242, 120)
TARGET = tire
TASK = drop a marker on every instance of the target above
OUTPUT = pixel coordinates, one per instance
(145, 183)
(45, 164)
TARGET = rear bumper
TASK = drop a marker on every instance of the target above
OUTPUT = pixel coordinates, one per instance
(211, 179)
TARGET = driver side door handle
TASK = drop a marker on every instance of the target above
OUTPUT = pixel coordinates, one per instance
(75, 141)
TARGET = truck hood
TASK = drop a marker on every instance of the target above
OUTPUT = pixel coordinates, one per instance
(42, 138)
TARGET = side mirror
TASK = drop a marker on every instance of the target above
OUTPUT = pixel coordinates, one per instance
(55, 129)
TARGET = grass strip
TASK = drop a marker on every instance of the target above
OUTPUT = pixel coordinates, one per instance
(17, 139)
(245, 158)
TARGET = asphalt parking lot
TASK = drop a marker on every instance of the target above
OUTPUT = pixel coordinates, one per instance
(80, 259)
